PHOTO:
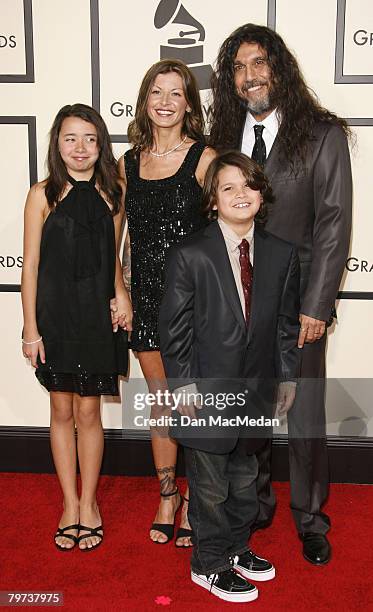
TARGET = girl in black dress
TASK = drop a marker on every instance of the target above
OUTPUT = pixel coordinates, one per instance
(71, 271)
(164, 173)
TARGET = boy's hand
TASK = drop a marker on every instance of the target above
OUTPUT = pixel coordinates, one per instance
(188, 410)
(190, 393)
(285, 398)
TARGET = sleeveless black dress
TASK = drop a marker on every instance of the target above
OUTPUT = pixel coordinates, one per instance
(75, 284)
(160, 213)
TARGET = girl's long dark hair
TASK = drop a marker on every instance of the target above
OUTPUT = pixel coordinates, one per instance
(105, 168)
(296, 104)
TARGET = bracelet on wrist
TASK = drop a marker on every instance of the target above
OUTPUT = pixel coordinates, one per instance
(33, 342)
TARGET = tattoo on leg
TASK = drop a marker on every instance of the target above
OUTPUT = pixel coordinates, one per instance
(167, 479)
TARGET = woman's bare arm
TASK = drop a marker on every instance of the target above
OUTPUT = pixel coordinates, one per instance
(126, 256)
(122, 299)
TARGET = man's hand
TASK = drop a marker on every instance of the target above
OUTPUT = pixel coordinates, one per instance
(310, 329)
(285, 398)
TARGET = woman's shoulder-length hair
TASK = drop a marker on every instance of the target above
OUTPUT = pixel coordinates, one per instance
(140, 132)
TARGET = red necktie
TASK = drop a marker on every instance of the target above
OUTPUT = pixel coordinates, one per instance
(246, 275)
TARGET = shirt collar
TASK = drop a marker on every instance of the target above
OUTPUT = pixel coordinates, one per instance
(232, 240)
(271, 123)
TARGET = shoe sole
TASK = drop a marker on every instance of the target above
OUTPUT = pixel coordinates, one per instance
(256, 576)
(316, 562)
(234, 597)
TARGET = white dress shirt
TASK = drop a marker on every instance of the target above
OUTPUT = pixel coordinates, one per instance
(271, 125)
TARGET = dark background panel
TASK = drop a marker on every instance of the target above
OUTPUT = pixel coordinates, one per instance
(128, 453)
(29, 77)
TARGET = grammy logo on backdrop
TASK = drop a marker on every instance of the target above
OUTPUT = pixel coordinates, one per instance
(184, 47)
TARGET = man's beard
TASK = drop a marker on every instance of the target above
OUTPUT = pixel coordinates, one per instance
(260, 105)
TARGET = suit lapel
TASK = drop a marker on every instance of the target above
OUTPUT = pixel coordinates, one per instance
(224, 269)
(261, 274)
(261, 270)
(270, 168)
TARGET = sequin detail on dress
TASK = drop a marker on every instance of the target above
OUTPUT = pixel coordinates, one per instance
(160, 213)
(83, 384)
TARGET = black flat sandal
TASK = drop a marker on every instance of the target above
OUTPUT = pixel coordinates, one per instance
(182, 532)
(166, 528)
(61, 532)
(93, 531)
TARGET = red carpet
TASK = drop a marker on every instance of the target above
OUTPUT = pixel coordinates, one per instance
(130, 573)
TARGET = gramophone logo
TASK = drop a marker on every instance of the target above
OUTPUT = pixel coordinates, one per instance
(184, 47)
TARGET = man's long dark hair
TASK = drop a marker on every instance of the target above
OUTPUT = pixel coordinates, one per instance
(296, 104)
(105, 168)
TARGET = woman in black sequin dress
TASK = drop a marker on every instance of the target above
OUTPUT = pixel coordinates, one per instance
(164, 173)
(71, 271)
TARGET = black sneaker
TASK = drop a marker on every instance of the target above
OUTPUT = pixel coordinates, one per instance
(253, 567)
(227, 585)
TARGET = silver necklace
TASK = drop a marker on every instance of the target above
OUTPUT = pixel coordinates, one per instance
(168, 152)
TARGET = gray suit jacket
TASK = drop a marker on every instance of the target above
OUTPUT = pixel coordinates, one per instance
(313, 211)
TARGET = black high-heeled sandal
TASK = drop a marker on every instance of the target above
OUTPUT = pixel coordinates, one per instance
(61, 533)
(166, 528)
(183, 532)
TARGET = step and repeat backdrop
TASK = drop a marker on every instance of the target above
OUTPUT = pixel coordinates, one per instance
(57, 52)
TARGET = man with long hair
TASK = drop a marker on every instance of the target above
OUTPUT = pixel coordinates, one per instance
(262, 105)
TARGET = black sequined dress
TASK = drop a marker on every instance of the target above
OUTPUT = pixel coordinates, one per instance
(75, 284)
(160, 213)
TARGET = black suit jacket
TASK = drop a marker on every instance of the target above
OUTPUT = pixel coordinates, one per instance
(203, 334)
(312, 209)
